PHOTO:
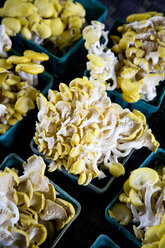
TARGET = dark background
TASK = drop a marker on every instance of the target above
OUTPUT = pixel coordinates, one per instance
(91, 222)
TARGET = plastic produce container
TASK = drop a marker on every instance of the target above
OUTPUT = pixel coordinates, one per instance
(151, 161)
(14, 161)
(104, 241)
(60, 65)
(146, 107)
(96, 186)
(45, 83)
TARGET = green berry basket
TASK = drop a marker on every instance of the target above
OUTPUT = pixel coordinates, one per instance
(151, 161)
(14, 161)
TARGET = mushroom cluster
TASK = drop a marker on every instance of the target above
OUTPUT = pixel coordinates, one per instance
(140, 63)
(18, 78)
(102, 63)
(78, 127)
(141, 55)
(30, 212)
(42, 21)
(143, 205)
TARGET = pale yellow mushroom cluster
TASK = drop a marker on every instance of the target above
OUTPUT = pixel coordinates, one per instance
(78, 127)
(30, 211)
(143, 205)
(102, 63)
(18, 78)
(59, 22)
(140, 63)
(141, 56)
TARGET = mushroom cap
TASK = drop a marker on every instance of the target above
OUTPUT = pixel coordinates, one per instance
(142, 176)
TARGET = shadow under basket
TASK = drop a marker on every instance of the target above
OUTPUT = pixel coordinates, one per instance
(14, 161)
(96, 186)
(153, 160)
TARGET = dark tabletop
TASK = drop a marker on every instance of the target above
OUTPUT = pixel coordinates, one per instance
(91, 222)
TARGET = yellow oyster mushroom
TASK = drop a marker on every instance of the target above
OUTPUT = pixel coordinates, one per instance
(13, 174)
(125, 42)
(130, 99)
(82, 178)
(151, 234)
(91, 36)
(6, 180)
(12, 25)
(21, 237)
(34, 17)
(96, 60)
(66, 91)
(116, 49)
(57, 26)
(37, 233)
(23, 199)
(134, 51)
(45, 8)
(89, 177)
(116, 169)
(124, 198)
(42, 30)
(29, 211)
(14, 59)
(18, 8)
(126, 187)
(30, 68)
(13, 80)
(54, 211)
(142, 176)
(138, 17)
(130, 89)
(90, 136)
(70, 210)
(23, 104)
(51, 194)
(37, 202)
(77, 167)
(26, 33)
(26, 187)
(72, 9)
(35, 55)
(128, 72)
(135, 198)
(4, 64)
(75, 22)
(121, 213)
(138, 233)
(23, 21)
(143, 63)
(4, 128)
(75, 151)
